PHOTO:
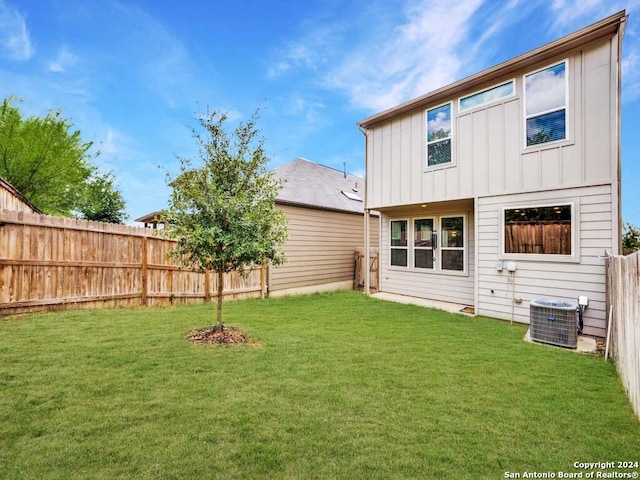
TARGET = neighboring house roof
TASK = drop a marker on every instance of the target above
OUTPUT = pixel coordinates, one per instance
(310, 184)
(150, 217)
(11, 189)
(564, 45)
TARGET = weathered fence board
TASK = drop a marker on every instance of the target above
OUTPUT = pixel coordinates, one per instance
(360, 266)
(623, 277)
(52, 263)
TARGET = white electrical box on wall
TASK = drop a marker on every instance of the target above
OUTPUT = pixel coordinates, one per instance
(499, 265)
(511, 266)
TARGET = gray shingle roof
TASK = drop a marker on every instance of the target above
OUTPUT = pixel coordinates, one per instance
(317, 186)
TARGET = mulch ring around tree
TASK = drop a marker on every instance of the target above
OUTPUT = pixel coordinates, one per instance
(228, 336)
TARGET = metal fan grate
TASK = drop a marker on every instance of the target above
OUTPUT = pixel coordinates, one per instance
(553, 321)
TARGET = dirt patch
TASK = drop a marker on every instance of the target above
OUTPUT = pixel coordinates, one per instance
(228, 336)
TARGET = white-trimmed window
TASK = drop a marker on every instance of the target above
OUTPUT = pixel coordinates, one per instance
(488, 95)
(452, 241)
(439, 134)
(399, 243)
(546, 93)
(539, 230)
(429, 244)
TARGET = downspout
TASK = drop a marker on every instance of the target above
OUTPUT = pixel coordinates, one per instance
(367, 228)
(618, 140)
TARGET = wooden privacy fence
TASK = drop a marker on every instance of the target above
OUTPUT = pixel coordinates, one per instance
(623, 286)
(51, 262)
(542, 238)
(360, 266)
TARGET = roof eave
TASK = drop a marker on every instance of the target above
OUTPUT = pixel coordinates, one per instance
(605, 27)
(318, 207)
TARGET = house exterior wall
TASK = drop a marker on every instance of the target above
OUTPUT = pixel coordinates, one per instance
(585, 275)
(489, 153)
(416, 282)
(492, 168)
(320, 249)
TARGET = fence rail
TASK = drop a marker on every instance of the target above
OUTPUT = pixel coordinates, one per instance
(53, 263)
(623, 286)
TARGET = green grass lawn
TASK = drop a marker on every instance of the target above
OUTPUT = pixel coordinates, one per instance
(341, 386)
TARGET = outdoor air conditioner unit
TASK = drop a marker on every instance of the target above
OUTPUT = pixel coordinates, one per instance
(553, 321)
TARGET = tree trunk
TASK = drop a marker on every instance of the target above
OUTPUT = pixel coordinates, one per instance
(219, 325)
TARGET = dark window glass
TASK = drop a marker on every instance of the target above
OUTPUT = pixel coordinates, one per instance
(452, 232)
(424, 258)
(399, 257)
(453, 260)
(546, 128)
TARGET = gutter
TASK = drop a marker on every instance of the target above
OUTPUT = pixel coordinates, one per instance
(603, 28)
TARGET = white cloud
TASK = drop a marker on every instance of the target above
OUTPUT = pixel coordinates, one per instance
(421, 55)
(308, 108)
(571, 15)
(63, 61)
(314, 50)
(631, 76)
(14, 36)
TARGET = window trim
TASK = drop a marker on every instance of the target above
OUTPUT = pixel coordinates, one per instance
(483, 104)
(407, 247)
(437, 270)
(545, 257)
(525, 117)
(450, 137)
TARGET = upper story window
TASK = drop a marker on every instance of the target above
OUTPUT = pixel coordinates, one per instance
(542, 230)
(487, 96)
(546, 104)
(439, 135)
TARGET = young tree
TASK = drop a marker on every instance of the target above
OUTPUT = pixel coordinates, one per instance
(222, 212)
(630, 238)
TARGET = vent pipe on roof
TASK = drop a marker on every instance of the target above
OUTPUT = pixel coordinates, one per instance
(344, 167)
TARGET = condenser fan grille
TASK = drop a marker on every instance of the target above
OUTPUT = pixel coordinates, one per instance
(554, 322)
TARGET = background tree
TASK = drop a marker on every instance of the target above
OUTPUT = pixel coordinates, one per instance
(222, 212)
(630, 238)
(47, 161)
(102, 201)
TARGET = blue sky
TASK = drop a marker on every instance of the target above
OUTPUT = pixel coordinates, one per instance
(131, 75)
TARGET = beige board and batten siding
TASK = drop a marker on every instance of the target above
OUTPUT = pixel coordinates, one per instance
(489, 155)
(417, 282)
(567, 280)
(320, 249)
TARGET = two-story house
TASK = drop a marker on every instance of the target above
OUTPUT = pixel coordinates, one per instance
(504, 187)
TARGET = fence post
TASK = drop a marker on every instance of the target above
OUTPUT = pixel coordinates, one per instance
(263, 281)
(144, 272)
